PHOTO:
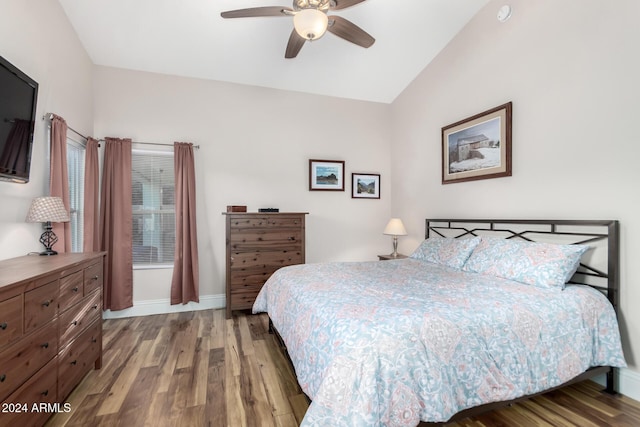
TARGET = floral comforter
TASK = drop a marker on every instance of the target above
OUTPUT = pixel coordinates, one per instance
(395, 342)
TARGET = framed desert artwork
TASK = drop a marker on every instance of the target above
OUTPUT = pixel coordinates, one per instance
(478, 147)
(326, 175)
(365, 186)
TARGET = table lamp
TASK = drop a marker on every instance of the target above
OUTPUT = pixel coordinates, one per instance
(395, 228)
(48, 210)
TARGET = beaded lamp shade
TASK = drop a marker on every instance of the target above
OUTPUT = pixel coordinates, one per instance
(45, 209)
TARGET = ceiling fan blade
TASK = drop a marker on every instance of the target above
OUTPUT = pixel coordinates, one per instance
(343, 4)
(295, 44)
(257, 11)
(349, 31)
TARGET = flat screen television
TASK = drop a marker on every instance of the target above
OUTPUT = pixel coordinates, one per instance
(18, 97)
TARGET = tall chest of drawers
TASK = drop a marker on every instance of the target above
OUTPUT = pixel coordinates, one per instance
(257, 245)
(50, 332)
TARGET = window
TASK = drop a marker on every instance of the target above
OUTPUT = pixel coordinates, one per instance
(75, 165)
(153, 208)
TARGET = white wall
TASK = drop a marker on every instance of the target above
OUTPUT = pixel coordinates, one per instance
(255, 144)
(571, 69)
(36, 37)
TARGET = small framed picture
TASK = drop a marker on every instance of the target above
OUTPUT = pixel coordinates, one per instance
(478, 147)
(365, 186)
(326, 175)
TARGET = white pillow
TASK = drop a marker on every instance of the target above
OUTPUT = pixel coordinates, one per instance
(445, 251)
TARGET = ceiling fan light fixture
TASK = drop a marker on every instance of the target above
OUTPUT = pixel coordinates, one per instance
(310, 24)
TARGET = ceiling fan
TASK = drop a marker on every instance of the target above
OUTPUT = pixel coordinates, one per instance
(310, 21)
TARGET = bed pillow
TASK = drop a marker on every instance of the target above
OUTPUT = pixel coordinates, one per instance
(445, 251)
(539, 264)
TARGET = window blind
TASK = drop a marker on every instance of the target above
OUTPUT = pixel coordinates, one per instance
(153, 207)
(75, 167)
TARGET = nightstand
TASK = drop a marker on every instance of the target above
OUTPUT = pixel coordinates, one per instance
(388, 257)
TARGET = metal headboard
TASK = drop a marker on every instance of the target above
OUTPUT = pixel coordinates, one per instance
(606, 232)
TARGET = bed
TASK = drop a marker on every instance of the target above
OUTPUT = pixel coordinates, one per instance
(460, 326)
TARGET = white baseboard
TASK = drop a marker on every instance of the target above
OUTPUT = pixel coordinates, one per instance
(163, 306)
(628, 383)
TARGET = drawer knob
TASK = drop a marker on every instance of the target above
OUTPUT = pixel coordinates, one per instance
(76, 289)
(45, 345)
(95, 277)
(95, 307)
(2, 378)
(46, 303)
(94, 340)
(3, 326)
(292, 238)
(45, 393)
(74, 362)
(74, 323)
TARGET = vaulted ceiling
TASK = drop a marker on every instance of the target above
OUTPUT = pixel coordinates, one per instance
(190, 38)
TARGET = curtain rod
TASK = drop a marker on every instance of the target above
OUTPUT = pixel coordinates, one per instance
(152, 143)
(50, 117)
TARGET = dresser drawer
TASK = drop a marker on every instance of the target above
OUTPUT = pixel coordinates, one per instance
(40, 388)
(265, 259)
(249, 276)
(71, 290)
(78, 358)
(25, 357)
(265, 222)
(286, 222)
(10, 320)
(271, 239)
(40, 306)
(78, 317)
(93, 278)
(245, 296)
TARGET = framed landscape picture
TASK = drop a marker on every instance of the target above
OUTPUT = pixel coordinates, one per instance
(326, 175)
(478, 147)
(365, 186)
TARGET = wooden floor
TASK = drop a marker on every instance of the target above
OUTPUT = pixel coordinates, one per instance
(200, 369)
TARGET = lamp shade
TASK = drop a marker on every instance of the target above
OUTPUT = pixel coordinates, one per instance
(47, 209)
(310, 24)
(395, 227)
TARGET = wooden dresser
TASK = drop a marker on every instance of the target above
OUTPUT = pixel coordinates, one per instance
(257, 245)
(50, 332)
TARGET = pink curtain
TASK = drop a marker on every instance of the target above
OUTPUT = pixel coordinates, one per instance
(185, 282)
(59, 179)
(14, 155)
(91, 230)
(115, 224)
